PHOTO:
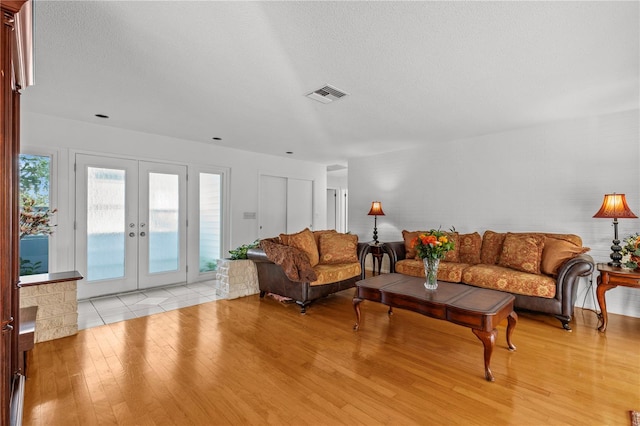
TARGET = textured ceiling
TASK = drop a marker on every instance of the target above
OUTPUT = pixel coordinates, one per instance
(416, 72)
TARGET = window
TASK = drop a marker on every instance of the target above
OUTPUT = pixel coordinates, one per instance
(35, 213)
(210, 223)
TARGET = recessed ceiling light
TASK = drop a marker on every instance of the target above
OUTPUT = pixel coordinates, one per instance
(102, 116)
(289, 152)
(217, 139)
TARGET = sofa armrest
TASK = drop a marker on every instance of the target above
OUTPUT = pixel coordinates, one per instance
(569, 275)
(581, 265)
(257, 254)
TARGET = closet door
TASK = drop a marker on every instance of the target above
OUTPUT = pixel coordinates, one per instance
(273, 206)
(299, 205)
(286, 205)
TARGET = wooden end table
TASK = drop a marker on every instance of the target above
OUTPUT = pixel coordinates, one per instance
(377, 251)
(611, 277)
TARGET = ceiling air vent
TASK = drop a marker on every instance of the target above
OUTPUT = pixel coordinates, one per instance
(326, 94)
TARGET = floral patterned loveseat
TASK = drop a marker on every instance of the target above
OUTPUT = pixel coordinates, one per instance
(307, 265)
(541, 270)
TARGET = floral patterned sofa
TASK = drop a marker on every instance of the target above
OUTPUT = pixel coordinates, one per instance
(307, 265)
(541, 270)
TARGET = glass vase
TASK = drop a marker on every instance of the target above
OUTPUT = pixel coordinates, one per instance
(431, 272)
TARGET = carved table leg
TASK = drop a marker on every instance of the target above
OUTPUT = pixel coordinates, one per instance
(513, 320)
(356, 307)
(488, 339)
(602, 302)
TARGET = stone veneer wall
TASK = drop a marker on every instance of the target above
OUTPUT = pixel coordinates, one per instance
(236, 278)
(57, 304)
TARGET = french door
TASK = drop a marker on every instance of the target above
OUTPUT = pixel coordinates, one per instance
(130, 224)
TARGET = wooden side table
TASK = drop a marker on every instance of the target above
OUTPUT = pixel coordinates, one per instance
(611, 277)
(377, 251)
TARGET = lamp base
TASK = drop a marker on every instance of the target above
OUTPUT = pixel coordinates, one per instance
(615, 256)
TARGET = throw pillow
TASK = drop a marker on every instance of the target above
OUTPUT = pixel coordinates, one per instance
(408, 236)
(572, 238)
(556, 252)
(316, 235)
(338, 248)
(304, 241)
(491, 247)
(522, 252)
(470, 245)
(453, 255)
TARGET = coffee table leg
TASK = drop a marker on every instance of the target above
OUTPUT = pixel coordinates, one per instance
(488, 339)
(513, 320)
(356, 307)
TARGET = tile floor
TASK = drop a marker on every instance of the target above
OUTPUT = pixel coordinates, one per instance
(121, 307)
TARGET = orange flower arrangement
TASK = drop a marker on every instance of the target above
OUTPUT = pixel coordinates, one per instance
(433, 244)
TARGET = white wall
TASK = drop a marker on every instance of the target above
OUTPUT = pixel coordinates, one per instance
(63, 137)
(549, 178)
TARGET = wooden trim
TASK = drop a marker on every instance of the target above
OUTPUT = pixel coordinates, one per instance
(52, 278)
(12, 6)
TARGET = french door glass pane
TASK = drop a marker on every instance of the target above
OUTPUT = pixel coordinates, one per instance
(209, 221)
(106, 225)
(164, 203)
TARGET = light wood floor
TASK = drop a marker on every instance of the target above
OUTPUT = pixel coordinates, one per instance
(252, 361)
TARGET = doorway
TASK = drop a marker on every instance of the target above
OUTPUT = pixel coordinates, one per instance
(130, 224)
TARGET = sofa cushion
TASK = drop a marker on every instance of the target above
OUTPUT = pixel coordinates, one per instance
(316, 235)
(522, 252)
(506, 279)
(447, 271)
(556, 252)
(408, 236)
(491, 247)
(335, 272)
(572, 238)
(304, 241)
(338, 248)
(469, 248)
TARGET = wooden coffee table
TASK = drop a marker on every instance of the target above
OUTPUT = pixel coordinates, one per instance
(477, 308)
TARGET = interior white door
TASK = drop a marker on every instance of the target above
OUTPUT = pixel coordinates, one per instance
(130, 224)
(332, 209)
(273, 206)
